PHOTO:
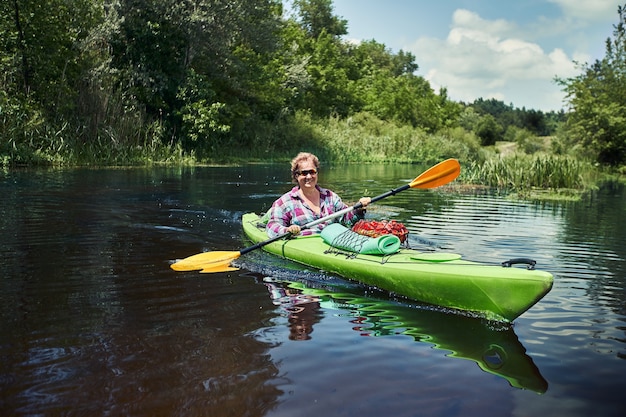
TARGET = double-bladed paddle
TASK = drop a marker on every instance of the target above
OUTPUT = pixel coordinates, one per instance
(219, 261)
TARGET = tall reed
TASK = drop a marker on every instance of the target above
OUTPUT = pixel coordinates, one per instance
(519, 172)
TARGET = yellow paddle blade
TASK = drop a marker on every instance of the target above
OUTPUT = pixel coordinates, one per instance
(438, 175)
(217, 261)
(218, 268)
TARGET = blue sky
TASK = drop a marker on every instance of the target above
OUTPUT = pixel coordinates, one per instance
(510, 50)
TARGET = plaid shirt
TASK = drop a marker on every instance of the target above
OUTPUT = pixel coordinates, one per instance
(291, 209)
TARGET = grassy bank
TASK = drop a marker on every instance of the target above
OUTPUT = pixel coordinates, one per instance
(361, 138)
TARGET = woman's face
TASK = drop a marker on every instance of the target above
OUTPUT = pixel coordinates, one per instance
(307, 174)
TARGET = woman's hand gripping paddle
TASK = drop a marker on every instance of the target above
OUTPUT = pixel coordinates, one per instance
(219, 261)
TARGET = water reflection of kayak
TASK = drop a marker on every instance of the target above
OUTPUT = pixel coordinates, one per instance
(444, 279)
(494, 347)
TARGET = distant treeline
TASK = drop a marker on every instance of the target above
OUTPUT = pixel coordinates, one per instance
(129, 81)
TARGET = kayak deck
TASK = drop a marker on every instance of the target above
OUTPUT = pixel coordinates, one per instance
(492, 291)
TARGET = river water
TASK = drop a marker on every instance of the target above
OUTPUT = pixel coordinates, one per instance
(94, 321)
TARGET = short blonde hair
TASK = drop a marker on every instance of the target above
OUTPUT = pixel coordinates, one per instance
(301, 157)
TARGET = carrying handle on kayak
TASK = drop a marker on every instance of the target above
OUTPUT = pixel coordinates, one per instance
(527, 261)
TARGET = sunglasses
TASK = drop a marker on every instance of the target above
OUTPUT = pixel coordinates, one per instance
(306, 172)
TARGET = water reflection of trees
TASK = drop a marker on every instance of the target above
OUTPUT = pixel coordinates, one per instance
(593, 235)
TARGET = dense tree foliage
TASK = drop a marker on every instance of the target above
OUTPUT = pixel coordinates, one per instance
(507, 116)
(203, 67)
(316, 16)
(83, 77)
(597, 98)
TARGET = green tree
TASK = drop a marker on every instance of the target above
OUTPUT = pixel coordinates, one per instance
(150, 51)
(44, 68)
(328, 76)
(317, 16)
(204, 67)
(488, 130)
(386, 86)
(316, 47)
(407, 99)
(41, 50)
(331, 92)
(597, 99)
(371, 55)
(534, 121)
(235, 50)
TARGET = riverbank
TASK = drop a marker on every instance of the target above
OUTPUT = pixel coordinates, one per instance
(534, 171)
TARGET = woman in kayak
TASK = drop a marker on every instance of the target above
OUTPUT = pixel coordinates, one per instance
(307, 201)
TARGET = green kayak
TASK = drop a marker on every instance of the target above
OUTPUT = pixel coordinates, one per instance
(495, 292)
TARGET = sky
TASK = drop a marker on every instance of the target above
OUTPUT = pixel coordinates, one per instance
(510, 50)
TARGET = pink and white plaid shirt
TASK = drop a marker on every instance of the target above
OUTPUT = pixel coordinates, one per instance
(291, 209)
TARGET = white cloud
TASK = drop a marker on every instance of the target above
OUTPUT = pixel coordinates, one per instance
(588, 10)
(489, 59)
(470, 20)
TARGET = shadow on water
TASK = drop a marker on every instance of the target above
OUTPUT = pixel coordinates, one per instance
(493, 346)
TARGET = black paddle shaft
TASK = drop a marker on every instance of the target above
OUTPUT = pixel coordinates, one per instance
(385, 195)
(265, 242)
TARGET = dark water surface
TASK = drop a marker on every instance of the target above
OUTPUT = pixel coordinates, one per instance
(95, 323)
